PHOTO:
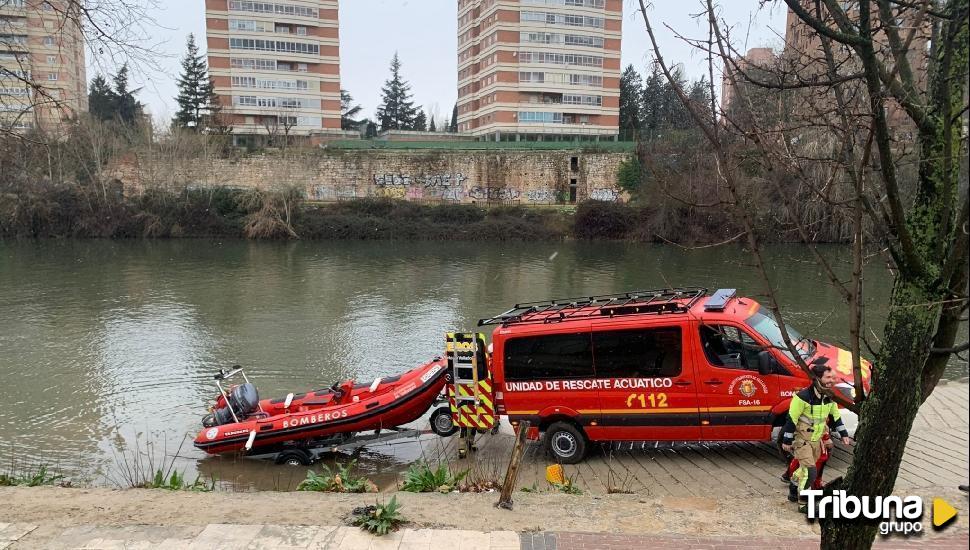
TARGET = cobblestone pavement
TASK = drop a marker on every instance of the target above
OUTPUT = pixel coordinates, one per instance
(289, 537)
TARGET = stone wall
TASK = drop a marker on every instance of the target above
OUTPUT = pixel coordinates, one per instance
(518, 177)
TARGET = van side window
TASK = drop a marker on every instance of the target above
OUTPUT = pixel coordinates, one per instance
(549, 357)
(642, 353)
(729, 347)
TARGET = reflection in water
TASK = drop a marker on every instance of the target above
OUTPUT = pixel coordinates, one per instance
(106, 345)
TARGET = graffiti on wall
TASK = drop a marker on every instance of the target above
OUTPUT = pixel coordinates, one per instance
(541, 195)
(390, 192)
(446, 187)
(330, 193)
(424, 180)
(604, 194)
(493, 193)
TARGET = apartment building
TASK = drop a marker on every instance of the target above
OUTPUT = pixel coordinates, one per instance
(275, 65)
(539, 69)
(804, 54)
(42, 72)
(755, 58)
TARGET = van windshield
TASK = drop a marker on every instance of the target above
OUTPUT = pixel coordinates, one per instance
(763, 322)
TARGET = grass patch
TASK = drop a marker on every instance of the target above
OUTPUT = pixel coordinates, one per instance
(175, 481)
(341, 480)
(30, 479)
(422, 478)
(379, 519)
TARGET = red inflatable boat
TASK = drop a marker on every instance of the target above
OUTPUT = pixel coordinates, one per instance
(240, 421)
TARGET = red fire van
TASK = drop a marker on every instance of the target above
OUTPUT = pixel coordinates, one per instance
(664, 365)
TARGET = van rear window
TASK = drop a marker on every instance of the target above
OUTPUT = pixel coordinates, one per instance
(643, 353)
(549, 357)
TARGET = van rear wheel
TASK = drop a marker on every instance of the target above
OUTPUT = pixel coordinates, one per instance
(566, 442)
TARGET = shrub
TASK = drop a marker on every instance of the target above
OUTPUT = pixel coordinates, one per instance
(379, 519)
(342, 481)
(421, 478)
(603, 220)
(457, 213)
(629, 174)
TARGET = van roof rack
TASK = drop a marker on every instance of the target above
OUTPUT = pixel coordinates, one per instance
(637, 302)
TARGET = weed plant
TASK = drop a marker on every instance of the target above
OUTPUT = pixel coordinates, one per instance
(175, 481)
(30, 478)
(379, 519)
(343, 480)
(422, 478)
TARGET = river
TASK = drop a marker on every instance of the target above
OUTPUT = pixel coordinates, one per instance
(107, 348)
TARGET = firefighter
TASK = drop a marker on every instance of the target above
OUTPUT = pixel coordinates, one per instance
(805, 426)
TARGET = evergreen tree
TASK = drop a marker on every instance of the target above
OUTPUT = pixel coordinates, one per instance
(650, 108)
(661, 109)
(453, 127)
(675, 114)
(631, 100)
(700, 94)
(371, 131)
(432, 127)
(396, 111)
(197, 98)
(420, 122)
(101, 99)
(348, 111)
(127, 109)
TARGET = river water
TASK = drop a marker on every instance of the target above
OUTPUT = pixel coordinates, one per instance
(107, 348)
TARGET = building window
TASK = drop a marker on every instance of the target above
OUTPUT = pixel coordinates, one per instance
(51, 76)
(580, 99)
(273, 46)
(301, 31)
(268, 7)
(257, 64)
(248, 25)
(49, 41)
(571, 3)
(13, 39)
(51, 59)
(548, 118)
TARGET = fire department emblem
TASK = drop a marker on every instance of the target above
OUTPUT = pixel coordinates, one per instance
(747, 388)
(212, 433)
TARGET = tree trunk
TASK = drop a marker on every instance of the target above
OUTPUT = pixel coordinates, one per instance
(887, 416)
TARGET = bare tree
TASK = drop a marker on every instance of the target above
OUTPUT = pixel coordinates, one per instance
(875, 129)
(113, 32)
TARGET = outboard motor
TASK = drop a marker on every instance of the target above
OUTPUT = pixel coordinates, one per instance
(244, 399)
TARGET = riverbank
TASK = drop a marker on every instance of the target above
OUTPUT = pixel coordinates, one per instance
(75, 212)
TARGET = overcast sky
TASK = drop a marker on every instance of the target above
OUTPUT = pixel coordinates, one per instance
(424, 33)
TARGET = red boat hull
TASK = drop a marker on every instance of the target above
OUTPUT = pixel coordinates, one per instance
(317, 415)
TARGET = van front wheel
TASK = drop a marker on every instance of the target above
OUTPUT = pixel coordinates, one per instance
(565, 442)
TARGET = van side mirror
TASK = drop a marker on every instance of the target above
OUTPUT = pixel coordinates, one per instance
(767, 363)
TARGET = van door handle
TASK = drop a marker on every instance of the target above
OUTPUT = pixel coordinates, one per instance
(682, 383)
(714, 382)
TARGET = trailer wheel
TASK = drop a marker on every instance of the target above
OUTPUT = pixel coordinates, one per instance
(441, 422)
(565, 442)
(294, 457)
